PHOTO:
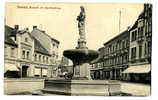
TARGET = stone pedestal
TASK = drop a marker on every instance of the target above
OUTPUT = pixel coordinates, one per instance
(82, 70)
(82, 88)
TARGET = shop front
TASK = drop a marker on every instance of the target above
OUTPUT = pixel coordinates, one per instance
(139, 73)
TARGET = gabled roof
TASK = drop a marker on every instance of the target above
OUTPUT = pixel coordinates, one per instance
(43, 32)
(39, 48)
(8, 32)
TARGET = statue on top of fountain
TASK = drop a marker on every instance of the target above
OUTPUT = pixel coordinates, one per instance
(81, 27)
(81, 22)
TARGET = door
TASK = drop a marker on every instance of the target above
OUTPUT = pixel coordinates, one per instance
(24, 71)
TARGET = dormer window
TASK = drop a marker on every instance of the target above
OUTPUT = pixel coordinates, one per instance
(53, 45)
(26, 39)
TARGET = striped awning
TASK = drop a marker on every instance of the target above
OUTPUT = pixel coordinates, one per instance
(10, 67)
(138, 69)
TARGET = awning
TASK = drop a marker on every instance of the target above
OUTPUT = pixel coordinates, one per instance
(138, 69)
(10, 67)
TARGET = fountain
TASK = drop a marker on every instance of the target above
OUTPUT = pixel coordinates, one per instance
(81, 56)
(81, 82)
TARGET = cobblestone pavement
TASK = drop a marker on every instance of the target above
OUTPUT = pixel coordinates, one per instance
(136, 89)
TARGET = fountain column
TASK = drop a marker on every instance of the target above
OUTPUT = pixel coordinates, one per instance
(81, 56)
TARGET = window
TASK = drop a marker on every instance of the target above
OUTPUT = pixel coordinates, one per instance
(53, 45)
(120, 45)
(35, 57)
(23, 54)
(133, 55)
(145, 52)
(150, 25)
(149, 48)
(28, 54)
(126, 59)
(39, 57)
(140, 51)
(47, 60)
(126, 43)
(123, 44)
(117, 46)
(113, 48)
(12, 52)
(26, 39)
(140, 32)
(5, 51)
(43, 58)
(134, 35)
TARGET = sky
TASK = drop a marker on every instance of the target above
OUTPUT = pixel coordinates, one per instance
(59, 20)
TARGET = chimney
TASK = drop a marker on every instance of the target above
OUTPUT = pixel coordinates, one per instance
(34, 27)
(16, 27)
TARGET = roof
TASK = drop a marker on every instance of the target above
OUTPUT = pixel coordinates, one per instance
(39, 48)
(48, 35)
(8, 32)
(99, 59)
(124, 32)
(142, 15)
(134, 25)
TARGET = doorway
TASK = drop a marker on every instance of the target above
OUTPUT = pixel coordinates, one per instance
(24, 71)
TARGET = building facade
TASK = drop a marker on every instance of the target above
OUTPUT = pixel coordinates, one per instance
(140, 46)
(114, 58)
(10, 52)
(97, 66)
(127, 56)
(51, 45)
(31, 58)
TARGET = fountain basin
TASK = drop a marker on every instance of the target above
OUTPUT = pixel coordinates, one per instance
(82, 88)
(81, 55)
